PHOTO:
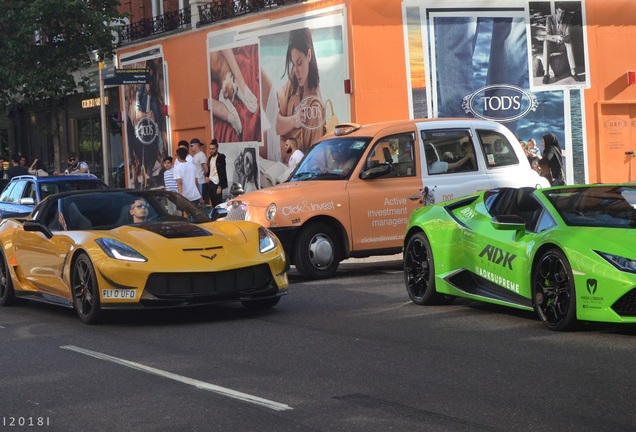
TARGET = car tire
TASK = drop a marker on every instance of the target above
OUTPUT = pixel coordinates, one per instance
(7, 294)
(316, 252)
(554, 295)
(419, 272)
(85, 290)
(260, 304)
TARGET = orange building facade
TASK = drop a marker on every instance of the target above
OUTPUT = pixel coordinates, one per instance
(242, 80)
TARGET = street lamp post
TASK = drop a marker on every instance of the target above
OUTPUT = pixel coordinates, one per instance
(102, 112)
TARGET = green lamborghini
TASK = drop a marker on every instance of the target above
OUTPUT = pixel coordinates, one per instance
(568, 252)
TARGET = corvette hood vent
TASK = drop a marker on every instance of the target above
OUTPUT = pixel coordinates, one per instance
(175, 229)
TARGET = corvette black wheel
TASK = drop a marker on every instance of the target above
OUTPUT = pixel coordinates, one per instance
(419, 272)
(261, 304)
(85, 290)
(7, 294)
(553, 290)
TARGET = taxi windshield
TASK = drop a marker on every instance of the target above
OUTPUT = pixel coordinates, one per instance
(331, 159)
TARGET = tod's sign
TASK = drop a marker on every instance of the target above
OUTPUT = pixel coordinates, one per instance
(500, 102)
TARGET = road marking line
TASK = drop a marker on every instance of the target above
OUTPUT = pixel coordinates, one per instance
(185, 380)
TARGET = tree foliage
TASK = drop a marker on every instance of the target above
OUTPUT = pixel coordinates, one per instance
(44, 42)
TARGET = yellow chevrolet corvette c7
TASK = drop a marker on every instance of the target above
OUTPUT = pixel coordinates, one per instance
(122, 248)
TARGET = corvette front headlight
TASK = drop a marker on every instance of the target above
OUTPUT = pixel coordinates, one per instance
(267, 241)
(271, 212)
(117, 250)
(621, 263)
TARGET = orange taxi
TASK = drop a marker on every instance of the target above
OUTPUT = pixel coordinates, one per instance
(352, 193)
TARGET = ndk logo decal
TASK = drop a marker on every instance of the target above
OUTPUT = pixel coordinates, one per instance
(591, 286)
(498, 256)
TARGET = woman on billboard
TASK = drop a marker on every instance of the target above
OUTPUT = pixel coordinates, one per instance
(297, 110)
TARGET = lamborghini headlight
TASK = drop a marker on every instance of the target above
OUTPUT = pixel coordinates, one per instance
(117, 250)
(267, 241)
(271, 212)
(621, 263)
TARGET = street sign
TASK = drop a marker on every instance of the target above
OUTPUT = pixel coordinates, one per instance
(93, 78)
(129, 76)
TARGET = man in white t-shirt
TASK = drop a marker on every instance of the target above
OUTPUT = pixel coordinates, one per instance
(200, 160)
(185, 145)
(186, 177)
(291, 147)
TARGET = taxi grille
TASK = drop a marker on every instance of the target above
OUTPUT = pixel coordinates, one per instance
(236, 211)
(626, 305)
(243, 281)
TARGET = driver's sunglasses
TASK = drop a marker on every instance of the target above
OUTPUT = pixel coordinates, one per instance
(141, 206)
(72, 159)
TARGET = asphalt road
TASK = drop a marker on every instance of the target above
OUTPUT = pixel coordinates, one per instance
(347, 354)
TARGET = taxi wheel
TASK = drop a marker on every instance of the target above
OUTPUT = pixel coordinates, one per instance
(316, 252)
(419, 272)
(261, 304)
(7, 294)
(554, 294)
(85, 290)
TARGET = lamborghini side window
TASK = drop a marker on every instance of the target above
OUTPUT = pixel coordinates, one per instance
(490, 197)
(545, 222)
(501, 200)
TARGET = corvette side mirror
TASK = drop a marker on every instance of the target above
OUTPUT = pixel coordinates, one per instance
(35, 226)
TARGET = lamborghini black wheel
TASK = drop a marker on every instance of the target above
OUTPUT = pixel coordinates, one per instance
(554, 296)
(419, 272)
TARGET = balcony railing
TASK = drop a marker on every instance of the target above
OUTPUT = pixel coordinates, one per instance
(214, 11)
(167, 22)
(219, 10)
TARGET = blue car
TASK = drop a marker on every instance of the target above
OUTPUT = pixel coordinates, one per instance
(22, 193)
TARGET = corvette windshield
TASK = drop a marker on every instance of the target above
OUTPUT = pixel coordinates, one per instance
(112, 209)
(332, 159)
(603, 206)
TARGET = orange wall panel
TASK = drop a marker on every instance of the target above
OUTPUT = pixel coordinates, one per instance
(611, 32)
(378, 63)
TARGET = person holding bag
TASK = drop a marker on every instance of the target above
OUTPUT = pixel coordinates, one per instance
(551, 163)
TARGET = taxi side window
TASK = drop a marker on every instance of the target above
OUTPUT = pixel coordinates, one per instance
(448, 151)
(498, 151)
(396, 151)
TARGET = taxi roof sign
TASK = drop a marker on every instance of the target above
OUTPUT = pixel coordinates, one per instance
(346, 128)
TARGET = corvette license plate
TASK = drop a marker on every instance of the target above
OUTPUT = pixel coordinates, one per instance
(118, 294)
